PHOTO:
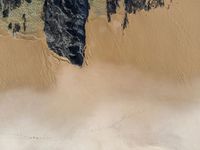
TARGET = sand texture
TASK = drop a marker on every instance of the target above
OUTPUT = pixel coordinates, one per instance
(138, 89)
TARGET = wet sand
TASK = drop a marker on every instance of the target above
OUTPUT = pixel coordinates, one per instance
(137, 90)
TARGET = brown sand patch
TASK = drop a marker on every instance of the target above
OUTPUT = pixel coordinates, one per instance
(24, 63)
(161, 42)
(117, 101)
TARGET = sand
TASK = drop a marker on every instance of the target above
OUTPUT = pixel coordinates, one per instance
(139, 88)
(24, 63)
(163, 42)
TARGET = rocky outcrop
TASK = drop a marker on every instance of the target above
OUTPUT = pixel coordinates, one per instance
(8, 5)
(64, 22)
(65, 27)
(131, 7)
(111, 7)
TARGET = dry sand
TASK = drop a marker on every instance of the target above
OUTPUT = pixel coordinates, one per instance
(139, 90)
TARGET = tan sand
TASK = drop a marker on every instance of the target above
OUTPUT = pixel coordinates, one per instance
(24, 63)
(163, 42)
(137, 91)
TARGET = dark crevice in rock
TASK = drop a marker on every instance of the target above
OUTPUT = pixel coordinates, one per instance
(65, 27)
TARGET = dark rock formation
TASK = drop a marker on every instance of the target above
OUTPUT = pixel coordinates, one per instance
(10, 26)
(131, 6)
(111, 7)
(64, 22)
(9, 5)
(29, 1)
(125, 21)
(17, 27)
(65, 27)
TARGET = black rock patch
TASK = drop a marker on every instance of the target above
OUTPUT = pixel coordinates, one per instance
(131, 7)
(8, 5)
(64, 26)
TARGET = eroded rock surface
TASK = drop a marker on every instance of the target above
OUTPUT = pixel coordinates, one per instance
(6, 6)
(65, 27)
(65, 23)
(64, 20)
(131, 6)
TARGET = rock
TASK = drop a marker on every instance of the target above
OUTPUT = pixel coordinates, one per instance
(7, 5)
(111, 7)
(29, 1)
(10, 26)
(131, 6)
(17, 27)
(65, 27)
(5, 13)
